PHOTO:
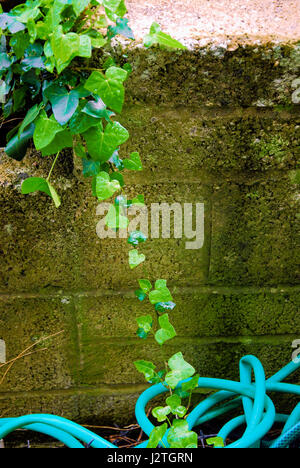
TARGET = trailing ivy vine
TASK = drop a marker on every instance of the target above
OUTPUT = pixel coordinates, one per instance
(66, 104)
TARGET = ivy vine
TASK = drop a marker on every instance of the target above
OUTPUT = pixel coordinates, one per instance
(66, 104)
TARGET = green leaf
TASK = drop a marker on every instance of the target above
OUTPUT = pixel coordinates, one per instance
(97, 109)
(35, 184)
(103, 187)
(112, 5)
(66, 47)
(135, 258)
(102, 144)
(90, 167)
(45, 131)
(145, 285)
(136, 237)
(96, 37)
(30, 117)
(147, 368)
(16, 148)
(161, 293)
(174, 402)
(117, 176)
(156, 36)
(109, 87)
(19, 96)
(191, 384)
(121, 28)
(64, 103)
(81, 122)
(156, 435)
(179, 436)
(61, 141)
(115, 219)
(32, 30)
(145, 325)
(217, 442)
(140, 294)
(134, 162)
(161, 413)
(180, 370)
(79, 6)
(5, 61)
(166, 332)
(163, 306)
(19, 43)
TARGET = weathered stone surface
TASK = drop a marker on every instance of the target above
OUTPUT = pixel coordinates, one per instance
(255, 233)
(211, 140)
(203, 312)
(261, 75)
(112, 360)
(51, 363)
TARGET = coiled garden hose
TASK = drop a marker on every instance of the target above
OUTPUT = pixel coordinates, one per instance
(259, 412)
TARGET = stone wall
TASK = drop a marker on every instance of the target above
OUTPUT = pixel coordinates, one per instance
(212, 125)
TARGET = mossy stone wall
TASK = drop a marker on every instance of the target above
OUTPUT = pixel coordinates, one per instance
(212, 126)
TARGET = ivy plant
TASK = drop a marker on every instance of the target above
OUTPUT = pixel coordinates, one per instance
(61, 102)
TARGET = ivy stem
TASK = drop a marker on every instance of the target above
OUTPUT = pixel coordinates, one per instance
(52, 167)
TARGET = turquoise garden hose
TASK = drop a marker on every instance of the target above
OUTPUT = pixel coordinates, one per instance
(258, 408)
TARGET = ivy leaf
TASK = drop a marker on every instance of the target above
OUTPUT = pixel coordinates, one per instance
(117, 176)
(156, 435)
(140, 294)
(97, 109)
(161, 293)
(19, 43)
(135, 258)
(35, 184)
(5, 61)
(81, 122)
(17, 146)
(179, 436)
(117, 161)
(217, 442)
(162, 306)
(90, 167)
(147, 368)
(65, 47)
(11, 23)
(180, 370)
(191, 384)
(102, 144)
(30, 117)
(79, 6)
(103, 187)
(61, 141)
(145, 325)
(133, 163)
(156, 36)
(166, 332)
(161, 413)
(158, 377)
(64, 104)
(136, 237)
(174, 402)
(115, 219)
(45, 131)
(121, 28)
(145, 285)
(96, 37)
(109, 86)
